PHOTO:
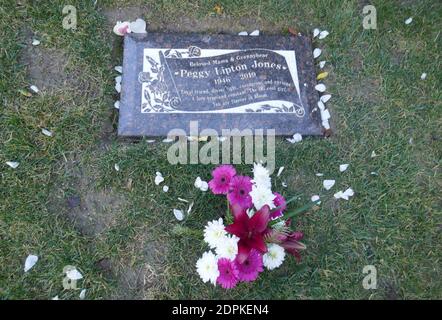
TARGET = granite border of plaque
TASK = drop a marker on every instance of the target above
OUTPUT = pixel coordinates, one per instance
(134, 124)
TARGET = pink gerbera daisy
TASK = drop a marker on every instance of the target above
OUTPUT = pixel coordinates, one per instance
(228, 273)
(251, 267)
(222, 176)
(279, 201)
(240, 186)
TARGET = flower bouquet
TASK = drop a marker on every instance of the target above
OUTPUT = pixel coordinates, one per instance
(258, 232)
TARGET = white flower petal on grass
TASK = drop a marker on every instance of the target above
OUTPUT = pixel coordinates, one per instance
(315, 198)
(207, 267)
(262, 196)
(119, 69)
(55, 298)
(323, 34)
(373, 154)
(35, 42)
(198, 182)
(319, 174)
(316, 32)
(204, 186)
(374, 173)
(138, 26)
(46, 132)
(338, 195)
(83, 294)
(74, 274)
(344, 195)
(243, 33)
(117, 104)
(274, 257)
(343, 167)
(165, 188)
(328, 184)
(150, 141)
(324, 98)
(349, 192)
(118, 84)
(179, 215)
(325, 114)
(316, 53)
(320, 87)
(117, 167)
(284, 184)
(158, 178)
(183, 200)
(121, 28)
(297, 137)
(13, 164)
(409, 20)
(214, 232)
(31, 260)
(423, 76)
(322, 64)
(190, 208)
(34, 89)
(254, 33)
(261, 176)
(227, 248)
(281, 169)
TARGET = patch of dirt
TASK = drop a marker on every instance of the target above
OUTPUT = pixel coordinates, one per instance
(52, 69)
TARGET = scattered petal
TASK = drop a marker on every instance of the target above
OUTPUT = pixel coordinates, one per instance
(315, 198)
(116, 167)
(320, 87)
(165, 188)
(12, 164)
(296, 138)
(319, 174)
(55, 298)
(322, 64)
(121, 28)
(204, 186)
(179, 215)
(338, 195)
(254, 33)
(190, 208)
(344, 195)
(280, 171)
(119, 69)
(183, 200)
(31, 260)
(328, 184)
(343, 167)
(117, 104)
(423, 76)
(158, 178)
(325, 97)
(150, 141)
(34, 88)
(243, 33)
(325, 114)
(118, 84)
(316, 53)
(138, 26)
(321, 105)
(83, 294)
(35, 42)
(409, 20)
(374, 173)
(322, 75)
(74, 274)
(284, 184)
(323, 34)
(316, 32)
(46, 132)
(373, 154)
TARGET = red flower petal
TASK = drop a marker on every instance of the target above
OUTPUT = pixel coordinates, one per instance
(257, 242)
(260, 219)
(243, 252)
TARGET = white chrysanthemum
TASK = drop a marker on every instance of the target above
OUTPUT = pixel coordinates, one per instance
(274, 257)
(261, 197)
(214, 232)
(227, 247)
(207, 267)
(261, 177)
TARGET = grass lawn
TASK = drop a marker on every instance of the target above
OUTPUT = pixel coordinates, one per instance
(67, 204)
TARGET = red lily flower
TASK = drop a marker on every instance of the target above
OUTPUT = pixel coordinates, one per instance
(250, 231)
